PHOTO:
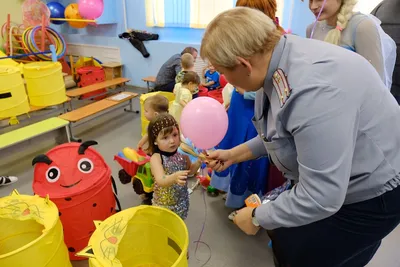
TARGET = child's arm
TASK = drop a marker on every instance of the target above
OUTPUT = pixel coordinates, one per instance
(143, 141)
(159, 175)
(186, 97)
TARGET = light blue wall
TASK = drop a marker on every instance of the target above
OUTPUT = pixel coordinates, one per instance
(172, 40)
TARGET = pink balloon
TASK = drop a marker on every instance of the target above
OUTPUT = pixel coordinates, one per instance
(205, 122)
(90, 9)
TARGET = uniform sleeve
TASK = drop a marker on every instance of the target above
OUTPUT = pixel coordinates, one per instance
(257, 147)
(324, 132)
(368, 44)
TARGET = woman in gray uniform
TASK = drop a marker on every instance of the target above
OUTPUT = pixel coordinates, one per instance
(328, 122)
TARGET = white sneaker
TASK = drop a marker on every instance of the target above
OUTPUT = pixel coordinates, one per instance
(6, 180)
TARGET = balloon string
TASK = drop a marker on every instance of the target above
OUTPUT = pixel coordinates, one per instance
(316, 20)
(202, 231)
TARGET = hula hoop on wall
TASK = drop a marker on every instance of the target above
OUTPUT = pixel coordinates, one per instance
(28, 39)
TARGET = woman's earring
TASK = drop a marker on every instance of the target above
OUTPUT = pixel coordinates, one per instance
(155, 143)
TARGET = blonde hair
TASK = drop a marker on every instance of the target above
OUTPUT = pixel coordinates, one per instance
(227, 36)
(187, 61)
(345, 13)
(158, 103)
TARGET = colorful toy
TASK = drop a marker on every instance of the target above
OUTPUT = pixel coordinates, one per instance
(74, 18)
(32, 234)
(136, 168)
(78, 181)
(212, 191)
(31, 34)
(139, 236)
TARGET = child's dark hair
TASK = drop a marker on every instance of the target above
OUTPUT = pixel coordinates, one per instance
(191, 77)
(163, 123)
(158, 103)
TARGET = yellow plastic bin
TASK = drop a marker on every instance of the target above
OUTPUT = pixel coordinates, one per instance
(45, 83)
(31, 233)
(143, 236)
(13, 98)
(145, 122)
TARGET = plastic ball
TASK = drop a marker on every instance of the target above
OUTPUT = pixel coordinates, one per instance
(72, 12)
(56, 12)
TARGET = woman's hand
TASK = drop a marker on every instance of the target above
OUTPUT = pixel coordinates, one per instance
(219, 160)
(244, 221)
(180, 177)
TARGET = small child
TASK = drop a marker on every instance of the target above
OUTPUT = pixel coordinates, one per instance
(183, 93)
(212, 78)
(153, 105)
(170, 169)
(187, 64)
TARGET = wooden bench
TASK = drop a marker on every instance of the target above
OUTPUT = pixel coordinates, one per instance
(28, 132)
(97, 107)
(73, 93)
(148, 80)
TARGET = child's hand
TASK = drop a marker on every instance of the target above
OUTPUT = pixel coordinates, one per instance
(181, 177)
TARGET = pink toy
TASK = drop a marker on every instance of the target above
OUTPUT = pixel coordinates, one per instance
(205, 122)
(90, 9)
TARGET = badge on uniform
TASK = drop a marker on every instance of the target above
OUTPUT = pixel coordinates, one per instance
(281, 86)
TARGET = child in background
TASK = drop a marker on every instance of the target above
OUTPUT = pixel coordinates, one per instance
(170, 169)
(153, 105)
(212, 78)
(187, 63)
(183, 93)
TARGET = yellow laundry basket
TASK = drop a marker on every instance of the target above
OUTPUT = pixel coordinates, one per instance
(143, 236)
(13, 98)
(31, 233)
(143, 97)
(45, 83)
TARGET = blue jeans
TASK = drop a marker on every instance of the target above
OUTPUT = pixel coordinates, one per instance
(348, 238)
